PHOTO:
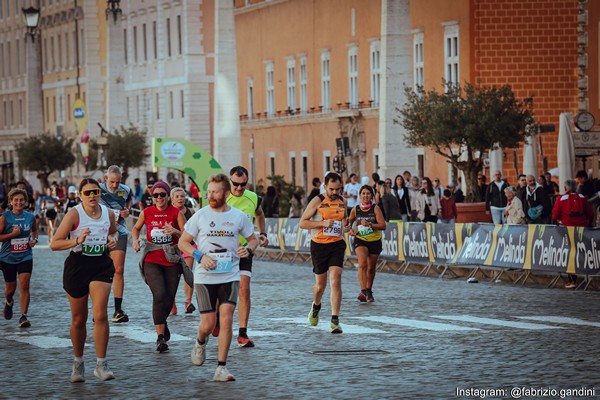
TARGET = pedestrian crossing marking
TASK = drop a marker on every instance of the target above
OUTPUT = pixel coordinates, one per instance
(43, 342)
(563, 320)
(143, 335)
(324, 325)
(414, 323)
(497, 322)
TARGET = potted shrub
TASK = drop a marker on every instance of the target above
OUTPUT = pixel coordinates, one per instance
(463, 124)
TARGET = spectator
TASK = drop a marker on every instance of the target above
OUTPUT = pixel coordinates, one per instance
(514, 209)
(138, 192)
(521, 189)
(482, 187)
(351, 192)
(316, 183)
(388, 182)
(585, 185)
(551, 183)
(147, 196)
(427, 204)
(295, 206)
(456, 193)
(448, 205)
(270, 203)
(495, 199)
(407, 178)
(194, 190)
(438, 188)
(537, 207)
(389, 204)
(572, 209)
(401, 192)
(414, 195)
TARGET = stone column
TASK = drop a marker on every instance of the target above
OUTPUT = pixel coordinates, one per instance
(227, 145)
(396, 71)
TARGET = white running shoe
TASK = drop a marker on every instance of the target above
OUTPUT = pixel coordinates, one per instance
(199, 352)
(103, 371)
(78, 372)
(222, 375)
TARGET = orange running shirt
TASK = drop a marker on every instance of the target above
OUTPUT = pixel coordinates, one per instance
(334, 209)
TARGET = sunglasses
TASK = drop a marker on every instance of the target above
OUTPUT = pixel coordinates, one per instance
(90, 192)
(242, 184)
(162, 195)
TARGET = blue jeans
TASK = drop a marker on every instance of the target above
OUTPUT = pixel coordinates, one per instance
(498, 215)
(446, 221)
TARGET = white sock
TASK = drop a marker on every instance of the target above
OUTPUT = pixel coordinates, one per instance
(100, 360)
(78, 359)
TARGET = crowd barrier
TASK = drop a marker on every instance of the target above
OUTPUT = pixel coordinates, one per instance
(546, 248)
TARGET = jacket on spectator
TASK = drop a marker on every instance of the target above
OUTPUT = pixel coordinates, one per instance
(448, 208)
(534, 198)
(404, 199)
(390, 207)
(561, 211)
(495, 196)
(514, 212)
(432, 201)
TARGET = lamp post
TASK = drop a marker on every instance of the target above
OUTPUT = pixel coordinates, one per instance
(116, 108)
(31, 16)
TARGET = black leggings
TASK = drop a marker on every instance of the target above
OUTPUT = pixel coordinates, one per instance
(163, 282)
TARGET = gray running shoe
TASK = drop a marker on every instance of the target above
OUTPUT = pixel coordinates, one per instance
(199, 352)
(78, 372)
(222, 375)
(103, 372)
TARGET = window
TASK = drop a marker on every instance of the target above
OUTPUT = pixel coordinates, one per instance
(375, 72)
(145, 43)
(326, 161)
(291, 84)
(17, 7)
(250, 99)
(9, 59)
(375, 159)
(20, 112)
(4, 114)
(54, 107)
(272, 163)
(154, 41)
(125, 44)
(157, 106)
(353, 76)
(12, 114)
(171, 104)
(418, 61)
(47, 110)
(52, 53)
(181, 98)
(325, 81)
(75, 48)
(59, 44)
(451, 54)
(293, 167)
(270, 90)
(303, 86)
(179, 39)
(304, 155)
(2, 58)
(137, 108)
(69, 107)
(1, 12)
(135, 48)
(18, 57)
(82, 45)
(169, 37)
(45, 56)
(67, 52)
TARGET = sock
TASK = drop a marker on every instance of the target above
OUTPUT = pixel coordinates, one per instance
(188, 300)
(118, 302)
(24, 315)
(316, 307)
(364, 291)
(10, 302)
(201, 342)
(335, 319)
(100, 360)
(78, 359)
(222, 363)
(243, 332)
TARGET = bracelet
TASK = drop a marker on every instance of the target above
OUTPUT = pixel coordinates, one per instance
(197, 254)
(77, 241)
(263, 234)
(250, 251)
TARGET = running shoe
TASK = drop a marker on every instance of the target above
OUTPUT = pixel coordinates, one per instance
(119, 316)
(222, 375)
(336, 327)
(174, 309)
(167, 333)
(199, 352)
(24, 322)
(216, 329)
(313, 316)
(8, 310)
(569, 285)
(245, 342)
(103, 371)
(362, 298)
(189, 308)
(370, 297)
(78, 372)
(161, 344)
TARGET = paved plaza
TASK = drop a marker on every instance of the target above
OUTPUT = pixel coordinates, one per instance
(422, 338)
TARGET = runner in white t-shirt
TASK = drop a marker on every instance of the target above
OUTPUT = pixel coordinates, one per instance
(215, 230)
(351, 190)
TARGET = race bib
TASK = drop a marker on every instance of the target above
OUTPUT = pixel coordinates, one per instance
(224, 262)
(364, 230)
(94, 245)
(19, 245)
(159, 236)
(334, 230)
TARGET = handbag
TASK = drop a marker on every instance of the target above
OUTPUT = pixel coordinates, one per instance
(535, 212)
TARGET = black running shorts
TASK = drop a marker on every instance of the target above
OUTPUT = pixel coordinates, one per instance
(10, 271)
(208, 294)
(374, 247)
(325, 255)
(81, 270)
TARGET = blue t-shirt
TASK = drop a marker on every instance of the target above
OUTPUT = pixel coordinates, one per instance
(17, 250)
(116, 201)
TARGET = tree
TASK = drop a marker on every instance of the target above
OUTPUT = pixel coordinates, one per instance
(464, 124)
(127, 148)
(285, 192)
(45, 154)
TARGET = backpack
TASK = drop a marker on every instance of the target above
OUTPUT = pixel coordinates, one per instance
(575, 206)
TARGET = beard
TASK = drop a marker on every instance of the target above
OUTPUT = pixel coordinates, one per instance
(216, 203)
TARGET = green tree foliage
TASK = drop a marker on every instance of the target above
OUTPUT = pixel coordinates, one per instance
(285, 192)
(127, 148)
(463, 124)
(45, 154)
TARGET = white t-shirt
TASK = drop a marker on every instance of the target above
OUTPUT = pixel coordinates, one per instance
(216, 234)
(352, 189)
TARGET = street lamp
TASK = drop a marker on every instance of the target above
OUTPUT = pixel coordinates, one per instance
(113, 7)
(31, 16)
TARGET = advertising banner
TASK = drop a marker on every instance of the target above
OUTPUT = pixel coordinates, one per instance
(389, 241)
(511, 246)
(549, 248)
(587, 252)
(415, 243)
(272, 231)
(479, 246)
(442, 243)
(289, 233)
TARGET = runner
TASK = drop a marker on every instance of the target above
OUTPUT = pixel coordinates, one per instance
(18, 236)
(216, 229)
(48, 205)
(178, 198)
(325, 215)
(88, 272)
(367, 241)
(163, 227)
(117, 197)
(71, 200)
(249, 203)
